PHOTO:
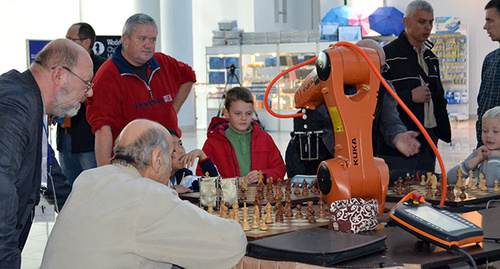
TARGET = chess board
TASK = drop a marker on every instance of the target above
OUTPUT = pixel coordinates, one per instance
(194, 197)
(472, 196)
(288, 225)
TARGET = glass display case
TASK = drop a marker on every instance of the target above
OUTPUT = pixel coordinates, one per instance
(452, 51)
(258, 65)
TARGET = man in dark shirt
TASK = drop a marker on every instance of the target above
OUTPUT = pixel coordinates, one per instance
(75, 141)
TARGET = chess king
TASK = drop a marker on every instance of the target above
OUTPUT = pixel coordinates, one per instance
(354, 171)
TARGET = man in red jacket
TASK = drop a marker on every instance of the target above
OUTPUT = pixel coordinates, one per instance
(136, 83)
(237, 145)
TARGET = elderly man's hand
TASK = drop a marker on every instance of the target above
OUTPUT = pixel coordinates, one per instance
(407, 143)
(421, 94)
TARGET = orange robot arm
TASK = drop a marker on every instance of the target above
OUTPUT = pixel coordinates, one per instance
(354, 172)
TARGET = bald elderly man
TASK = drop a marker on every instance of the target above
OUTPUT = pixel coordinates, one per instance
(55, 84)
(123, 215)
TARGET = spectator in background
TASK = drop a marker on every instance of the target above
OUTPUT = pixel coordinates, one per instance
(136, 83)
(75, 141)
(238, 146)
(415, 74)
(489, 93)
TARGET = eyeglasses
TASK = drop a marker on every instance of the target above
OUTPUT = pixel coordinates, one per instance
(74, 39)
(89, 85)
(385, 68)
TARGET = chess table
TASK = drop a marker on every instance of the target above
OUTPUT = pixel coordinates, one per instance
(194, 197)
(289, 224)
(472, 196)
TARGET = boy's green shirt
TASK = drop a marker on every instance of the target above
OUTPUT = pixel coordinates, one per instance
(242, 146)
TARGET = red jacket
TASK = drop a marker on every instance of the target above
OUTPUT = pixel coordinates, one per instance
(120, 96)
(266, 156)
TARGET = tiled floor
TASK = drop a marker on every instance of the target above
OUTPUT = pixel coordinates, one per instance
(464, 140)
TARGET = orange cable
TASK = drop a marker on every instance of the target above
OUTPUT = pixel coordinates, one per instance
(389, 89)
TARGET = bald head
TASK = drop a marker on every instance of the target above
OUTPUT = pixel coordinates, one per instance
(62, 52)
(147, 146)
(372, 44)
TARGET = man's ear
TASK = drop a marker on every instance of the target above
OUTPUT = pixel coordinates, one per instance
(57, 74)
(157, 159)
(405, 22)
(86, 43)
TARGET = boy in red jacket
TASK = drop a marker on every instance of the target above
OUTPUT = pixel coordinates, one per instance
(237, 145)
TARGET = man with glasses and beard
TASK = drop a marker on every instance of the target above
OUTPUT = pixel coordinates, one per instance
(55, 84)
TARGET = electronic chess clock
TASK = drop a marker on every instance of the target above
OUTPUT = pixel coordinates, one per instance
(430, 224)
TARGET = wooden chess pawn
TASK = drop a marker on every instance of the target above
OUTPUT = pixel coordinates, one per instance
(462, 193)
(429, 189)
(243, 194)
(473, 186)
(496, 189)
(255, 222)
(245, 225)
(313, 187)
(297, 190)
(422, 181)
(264, 226)
(299, 215)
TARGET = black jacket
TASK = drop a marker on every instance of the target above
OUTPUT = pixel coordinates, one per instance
(405, 73)
(21, 125)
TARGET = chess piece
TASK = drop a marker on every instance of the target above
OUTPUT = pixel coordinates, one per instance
(244, 183)
(400, 190)
(433, 181)
(210, 208)
(429, 189)
(231, 215)
(236, 211)
(260, 176)
(245, 225)
(305, 190)
(321, 211)
(429, 174)
(255, 222)
(269, 209)
(422, 182)
(299, 215)
(223, 211)
(297, 190)
(481, 178)
(450, 195)
(314, 189)
(243, 195)
(310, 214)
(459, 176)
(473, 185)
(279, 214)
(245, 212)
(439, 189)
(496, 189)
(462, 193)
(288, 207)
(264, 226)
(256, 211)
